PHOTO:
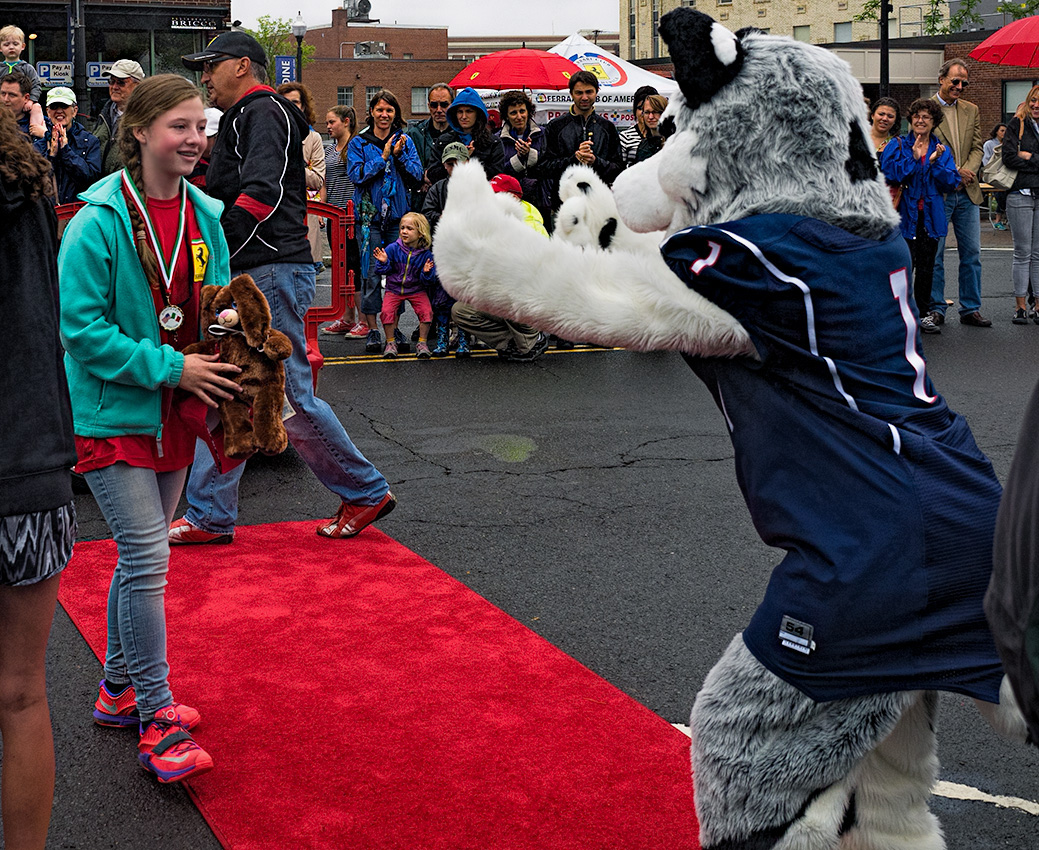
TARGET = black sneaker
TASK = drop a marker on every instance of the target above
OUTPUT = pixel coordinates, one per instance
(929, 324)
(1020, 316)
(402, 344)
(533, 353)
(373, 342)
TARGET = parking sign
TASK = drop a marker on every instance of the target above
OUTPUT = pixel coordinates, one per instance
(55, 73)
(94, 72)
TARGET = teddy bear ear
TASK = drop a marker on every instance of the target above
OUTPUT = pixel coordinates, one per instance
(706, 55)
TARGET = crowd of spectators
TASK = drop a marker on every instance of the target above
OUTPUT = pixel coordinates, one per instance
(374, 164)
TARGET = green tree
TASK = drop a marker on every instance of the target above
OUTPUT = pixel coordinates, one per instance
(1018, 10)
(276, 38)
(966, 15)
(934, 14)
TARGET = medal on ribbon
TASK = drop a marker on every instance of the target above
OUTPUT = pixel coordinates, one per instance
(171, 316)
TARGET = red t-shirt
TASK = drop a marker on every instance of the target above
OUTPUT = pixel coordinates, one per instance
(176, 448)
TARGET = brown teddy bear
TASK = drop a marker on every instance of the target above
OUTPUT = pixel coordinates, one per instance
(237, 322)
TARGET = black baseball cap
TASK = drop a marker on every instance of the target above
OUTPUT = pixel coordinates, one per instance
(227, 45)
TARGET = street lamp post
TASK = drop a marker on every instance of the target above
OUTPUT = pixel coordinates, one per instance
(299, 29)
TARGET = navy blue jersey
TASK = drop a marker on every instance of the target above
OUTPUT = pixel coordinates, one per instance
(850, 461)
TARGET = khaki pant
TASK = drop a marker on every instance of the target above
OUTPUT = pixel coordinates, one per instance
(494, 331)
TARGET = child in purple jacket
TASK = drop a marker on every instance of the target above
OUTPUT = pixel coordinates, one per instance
(408, 266)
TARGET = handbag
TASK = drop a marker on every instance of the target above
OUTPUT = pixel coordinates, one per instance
(995, 172)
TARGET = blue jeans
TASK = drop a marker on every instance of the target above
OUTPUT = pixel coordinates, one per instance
(381, 236)
(314, 431)
(1023, 215)
(138, 504)
(962, 214)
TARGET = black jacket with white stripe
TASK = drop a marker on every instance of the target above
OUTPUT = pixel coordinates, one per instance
(257, 170)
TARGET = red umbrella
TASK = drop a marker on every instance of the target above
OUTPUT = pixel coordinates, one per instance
(1017, 43)
(516, 69)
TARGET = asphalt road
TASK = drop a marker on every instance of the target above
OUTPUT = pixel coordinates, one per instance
(591, 496)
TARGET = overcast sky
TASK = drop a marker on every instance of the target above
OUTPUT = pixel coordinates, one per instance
(462, 17)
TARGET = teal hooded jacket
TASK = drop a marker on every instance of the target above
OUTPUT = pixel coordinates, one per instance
(114, 358)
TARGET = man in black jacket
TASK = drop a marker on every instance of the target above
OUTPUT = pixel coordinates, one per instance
(257, 170)
(581, 137)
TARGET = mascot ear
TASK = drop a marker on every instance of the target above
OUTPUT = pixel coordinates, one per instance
(706, 55)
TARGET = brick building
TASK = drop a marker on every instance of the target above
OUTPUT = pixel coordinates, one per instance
(353, 59)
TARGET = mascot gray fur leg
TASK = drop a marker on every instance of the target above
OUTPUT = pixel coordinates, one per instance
(774, 770)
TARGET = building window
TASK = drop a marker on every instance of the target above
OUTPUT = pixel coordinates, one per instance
(420, 100)
(842, 32)
(724, 2)
(802, 9)
(1014, 94)
(409, 55)
(369, 93)
(345, 96)
(803, 33)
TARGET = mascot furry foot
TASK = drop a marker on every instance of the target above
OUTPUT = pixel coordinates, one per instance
(781, 277)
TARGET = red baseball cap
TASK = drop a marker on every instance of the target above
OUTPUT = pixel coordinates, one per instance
(507, 183)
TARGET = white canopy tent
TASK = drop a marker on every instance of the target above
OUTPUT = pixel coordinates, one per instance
(618, 81)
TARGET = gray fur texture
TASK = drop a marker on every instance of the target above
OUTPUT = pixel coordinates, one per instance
(773, 769)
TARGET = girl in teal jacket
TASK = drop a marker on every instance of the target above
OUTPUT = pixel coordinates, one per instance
(131, 267)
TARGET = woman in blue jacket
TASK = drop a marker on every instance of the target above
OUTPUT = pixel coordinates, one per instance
(927, 172)
(384, 166)
(131, 267)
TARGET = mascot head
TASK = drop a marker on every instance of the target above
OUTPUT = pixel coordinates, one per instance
(763, 124)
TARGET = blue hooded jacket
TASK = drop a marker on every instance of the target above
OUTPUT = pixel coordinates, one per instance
(486, 146)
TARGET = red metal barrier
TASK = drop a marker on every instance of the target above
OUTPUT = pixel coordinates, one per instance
(343, 283)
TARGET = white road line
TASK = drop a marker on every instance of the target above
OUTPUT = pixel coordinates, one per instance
(965, 792)
(955, 791)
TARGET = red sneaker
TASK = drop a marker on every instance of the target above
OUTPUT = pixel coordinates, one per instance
(121, 710)
(350, 520)
(167, 749)
(339, 326)
(183, 533)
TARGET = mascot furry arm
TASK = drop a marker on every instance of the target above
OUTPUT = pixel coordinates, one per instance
(595, 280)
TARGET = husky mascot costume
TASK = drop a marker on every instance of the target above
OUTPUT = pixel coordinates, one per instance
(782, 278)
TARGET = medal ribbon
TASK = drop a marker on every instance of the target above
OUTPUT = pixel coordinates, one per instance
(165, 269)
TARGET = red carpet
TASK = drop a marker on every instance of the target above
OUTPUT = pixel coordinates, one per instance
(355, 696)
